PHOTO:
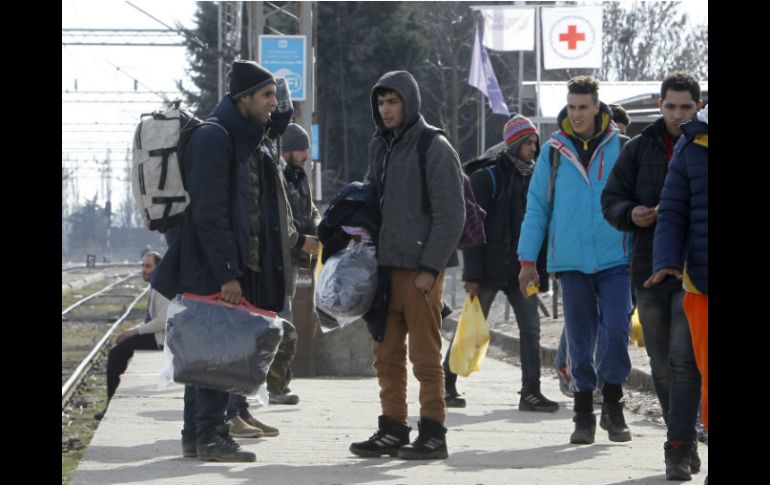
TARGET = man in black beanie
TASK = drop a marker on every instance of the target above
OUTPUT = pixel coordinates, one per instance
(271, 249)
(295, 145)
(236, 195)
(296, 152)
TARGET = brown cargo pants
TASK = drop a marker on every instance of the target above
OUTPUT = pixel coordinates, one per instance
(417, 315)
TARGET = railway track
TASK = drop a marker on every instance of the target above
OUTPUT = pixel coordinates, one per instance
(89, 323)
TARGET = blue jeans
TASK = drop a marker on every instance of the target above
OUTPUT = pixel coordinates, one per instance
(203, 410)
(528, 320)
(597, 305)
(237, 405)
(561, 351)
(674, 372)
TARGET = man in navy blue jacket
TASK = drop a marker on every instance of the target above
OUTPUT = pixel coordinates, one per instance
(234, 236)
(680, 248)
(629, 203)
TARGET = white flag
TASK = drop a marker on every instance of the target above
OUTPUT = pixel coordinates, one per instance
(482, 77)
(572, 37)
(509, 29)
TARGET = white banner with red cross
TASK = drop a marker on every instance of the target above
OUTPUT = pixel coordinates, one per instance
(572, 37)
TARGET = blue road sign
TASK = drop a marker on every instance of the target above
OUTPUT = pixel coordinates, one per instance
(314, 145)
(284, 55)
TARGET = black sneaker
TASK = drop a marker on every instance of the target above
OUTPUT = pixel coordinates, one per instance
(430, 443)
(189, 449)
(219, 446)
(678, 461)
(535, 401)
(390, 436)
(585, 429)
(446, 310)
(694, 458)
(284, 397)
(454, 400)
(614, 422)
(100, 415)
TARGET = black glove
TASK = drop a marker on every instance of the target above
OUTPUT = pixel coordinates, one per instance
(278, 123)
(283, 112)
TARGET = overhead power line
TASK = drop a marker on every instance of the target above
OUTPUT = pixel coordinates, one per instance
(178, 30)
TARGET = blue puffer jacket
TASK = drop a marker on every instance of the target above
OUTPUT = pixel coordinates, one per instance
(580, 238)
(683, 227)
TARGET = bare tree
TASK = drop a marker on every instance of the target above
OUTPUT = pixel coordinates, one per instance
(651, 39)
(449, 27)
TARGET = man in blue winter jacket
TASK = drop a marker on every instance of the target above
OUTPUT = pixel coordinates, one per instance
(589, 255)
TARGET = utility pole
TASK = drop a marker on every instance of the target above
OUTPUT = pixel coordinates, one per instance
(228, 39)
(294, 18)
(269, 18)
(108, 204)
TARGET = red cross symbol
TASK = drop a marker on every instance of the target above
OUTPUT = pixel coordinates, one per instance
(572, 37)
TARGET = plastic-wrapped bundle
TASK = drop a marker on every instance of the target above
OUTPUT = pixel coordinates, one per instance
(220, 346)
(347, 284)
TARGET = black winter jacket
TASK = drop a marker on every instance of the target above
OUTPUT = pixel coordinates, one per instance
(637, 179)
(305, 214)
(212, 247)
(501, 191)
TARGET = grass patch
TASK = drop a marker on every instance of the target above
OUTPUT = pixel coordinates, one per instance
(78, 423)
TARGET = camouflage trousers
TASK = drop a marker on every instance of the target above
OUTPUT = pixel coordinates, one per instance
(279, 375)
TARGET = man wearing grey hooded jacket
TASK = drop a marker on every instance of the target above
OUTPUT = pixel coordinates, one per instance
(422, 221)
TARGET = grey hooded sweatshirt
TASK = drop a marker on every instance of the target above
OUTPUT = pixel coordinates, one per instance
(411, 237)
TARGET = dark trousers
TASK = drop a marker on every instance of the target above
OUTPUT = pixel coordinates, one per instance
(117, 359)
(674, 372)
(204, 409)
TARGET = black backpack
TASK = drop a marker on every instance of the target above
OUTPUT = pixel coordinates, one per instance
(473, 230)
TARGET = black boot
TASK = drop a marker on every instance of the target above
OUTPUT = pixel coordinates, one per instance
(217, 445)
(585, 429)
(694, 458)
(430, 443)
(678, 461)
(189, 448)
(614, 422)
(533, 400)
(390, 436)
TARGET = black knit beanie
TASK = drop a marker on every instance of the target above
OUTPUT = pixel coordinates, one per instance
(247, 77)
(295, 138)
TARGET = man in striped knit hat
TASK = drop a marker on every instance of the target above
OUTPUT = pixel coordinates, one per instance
(500, 188)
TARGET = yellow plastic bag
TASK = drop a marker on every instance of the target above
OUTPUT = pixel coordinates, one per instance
(471, 339)
(318, 264)
(635, 334)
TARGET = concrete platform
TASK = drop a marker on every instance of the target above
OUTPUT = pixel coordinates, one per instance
(490, 441)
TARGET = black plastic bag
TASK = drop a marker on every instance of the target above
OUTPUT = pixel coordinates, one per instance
(221, 346)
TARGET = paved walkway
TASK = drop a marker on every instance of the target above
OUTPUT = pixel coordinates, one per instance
(490, 441)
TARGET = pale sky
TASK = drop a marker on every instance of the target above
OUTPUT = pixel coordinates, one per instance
(86, 133)
(88, 127)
